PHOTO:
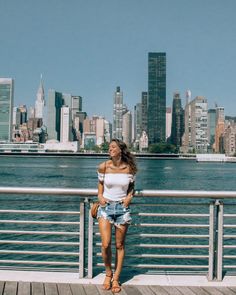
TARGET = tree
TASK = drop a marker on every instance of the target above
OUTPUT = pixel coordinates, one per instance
(165, 148)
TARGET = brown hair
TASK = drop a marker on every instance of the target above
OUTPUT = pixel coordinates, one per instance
(126, 156)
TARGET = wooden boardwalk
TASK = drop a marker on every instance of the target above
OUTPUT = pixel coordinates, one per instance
(26, 288)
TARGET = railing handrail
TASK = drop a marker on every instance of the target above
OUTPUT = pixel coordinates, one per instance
(84, 192)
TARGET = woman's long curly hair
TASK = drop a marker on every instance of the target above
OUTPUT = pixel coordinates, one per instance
(126, 156)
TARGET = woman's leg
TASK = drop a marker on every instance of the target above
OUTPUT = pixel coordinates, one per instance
(105, 229)
(120, 233)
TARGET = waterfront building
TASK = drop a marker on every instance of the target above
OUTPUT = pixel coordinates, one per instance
(76, 105)
(211, 127)
(20, 115)
(177, 126)
(219, 130)
(156, 97)
(230, 139)
(107, 131)
(65, 124)
(6, 108)
(55, 103)
(118, 110)
(78, 124)
(143, 142)
(137, 121)
(100, 130)
(144, 115)
(127, 128)
(168, 122)
(40, 101)
(195, 133)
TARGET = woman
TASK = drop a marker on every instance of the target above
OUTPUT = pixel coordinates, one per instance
(115, 191)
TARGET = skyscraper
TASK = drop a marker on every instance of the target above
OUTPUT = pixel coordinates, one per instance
(137, 121)
(65, 124)
(144, 111)
(6, 108)
(55, 103)
(127, 128)
(118, 110)
(177, 126)
(196, 125)
(156, 97)
(40, 101)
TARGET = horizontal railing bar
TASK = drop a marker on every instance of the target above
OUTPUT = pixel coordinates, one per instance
(39, 243)
(171, 204)
(163, 256)
(138, 193)
(38, 262)
(173, 215)
(48, 191)
(229, 256)
(39, 252)
(229, 246)
(39, 232)
(229, 215)
(229, 266)
(166, 246)
(40, 222)
(171, 225)
(229, 236)
(161, 266)
(229, 225)
(40, 212)
(167, 236)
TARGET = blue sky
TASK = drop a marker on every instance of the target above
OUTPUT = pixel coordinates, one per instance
(88, 47)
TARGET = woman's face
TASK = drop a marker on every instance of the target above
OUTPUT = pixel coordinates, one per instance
(114, 150)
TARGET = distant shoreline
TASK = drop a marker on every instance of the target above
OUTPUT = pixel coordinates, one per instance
(91, 155)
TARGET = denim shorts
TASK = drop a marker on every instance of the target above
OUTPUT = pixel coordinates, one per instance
(115, 212)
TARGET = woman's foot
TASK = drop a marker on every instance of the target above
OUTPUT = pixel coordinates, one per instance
(107, 282)
(116, 288)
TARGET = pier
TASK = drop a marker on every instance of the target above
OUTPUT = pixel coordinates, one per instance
(181, 243)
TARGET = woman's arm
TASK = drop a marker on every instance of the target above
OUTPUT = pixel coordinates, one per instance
(101, 169)
(130, 193)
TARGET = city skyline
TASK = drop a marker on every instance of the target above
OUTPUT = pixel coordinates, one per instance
(89, 48)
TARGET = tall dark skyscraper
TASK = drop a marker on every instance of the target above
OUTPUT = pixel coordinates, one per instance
(177, 127)
(156, 97)
(144, 111)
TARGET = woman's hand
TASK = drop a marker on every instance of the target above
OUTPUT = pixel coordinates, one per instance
(102, 200)
(126, 201)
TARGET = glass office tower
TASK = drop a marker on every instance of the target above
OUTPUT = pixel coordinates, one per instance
(156, 97)
(6, 108)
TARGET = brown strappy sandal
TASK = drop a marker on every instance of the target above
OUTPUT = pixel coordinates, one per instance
(107, 282)
(116, 287)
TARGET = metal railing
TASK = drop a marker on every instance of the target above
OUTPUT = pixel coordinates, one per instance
(172, 231)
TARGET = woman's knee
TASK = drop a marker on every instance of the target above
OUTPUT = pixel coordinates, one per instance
(120, 245)
(106, 246)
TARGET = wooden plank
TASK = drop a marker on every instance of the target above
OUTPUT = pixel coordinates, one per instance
(226, 290)
(103, 292)
(77, 289)
(90, 290)
(198, 291)
(145, 290)
(185, 290)
(172, 290)
(213, 290)
(10, 288)
(232, 289)
(50, 289)
(37, 288)
(64, 289)
(131, 290)
(158, 290)
(23, 288)
(2, 284)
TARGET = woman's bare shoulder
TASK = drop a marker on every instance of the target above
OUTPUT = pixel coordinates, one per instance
(103, 166)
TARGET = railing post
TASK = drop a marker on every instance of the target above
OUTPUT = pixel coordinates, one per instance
(90, 245)
(81, 242)
(219, 274)
(211, 241)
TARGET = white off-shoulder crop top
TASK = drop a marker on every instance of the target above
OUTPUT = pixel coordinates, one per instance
(115, 185)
